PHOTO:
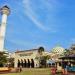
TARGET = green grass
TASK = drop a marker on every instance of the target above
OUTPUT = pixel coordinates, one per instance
(44, 71)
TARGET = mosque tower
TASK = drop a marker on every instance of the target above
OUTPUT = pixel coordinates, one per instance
(4, 12)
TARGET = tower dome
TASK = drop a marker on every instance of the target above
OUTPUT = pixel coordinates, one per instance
(58, 50)
(5, 10)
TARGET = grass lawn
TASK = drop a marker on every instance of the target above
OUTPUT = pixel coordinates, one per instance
(34, 71)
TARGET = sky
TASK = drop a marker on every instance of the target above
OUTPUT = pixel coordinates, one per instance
(35, 23)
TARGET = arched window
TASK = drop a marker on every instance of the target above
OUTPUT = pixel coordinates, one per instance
(28, 63)
(18, 63)
(32, 63)
(24, 62)
(21, 62)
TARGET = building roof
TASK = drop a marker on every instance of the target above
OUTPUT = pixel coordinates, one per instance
(19, 51)
(68, 57)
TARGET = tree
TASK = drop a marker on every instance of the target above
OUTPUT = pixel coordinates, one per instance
(69, 52)
(40, 54)
(3, 58)
(43, 60)
(11, 62)
(40, 50)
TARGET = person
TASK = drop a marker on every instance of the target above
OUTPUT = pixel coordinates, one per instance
(53, 70)
(67, 68)
(20, 68)
(63, 67)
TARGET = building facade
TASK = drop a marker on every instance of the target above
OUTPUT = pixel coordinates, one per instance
(31, 58)
(26, 58)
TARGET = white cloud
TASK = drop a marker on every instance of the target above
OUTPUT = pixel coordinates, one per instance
(21, 44)
(32, 15)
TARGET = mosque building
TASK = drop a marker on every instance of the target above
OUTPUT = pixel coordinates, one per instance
(57, 52)
(26, 58)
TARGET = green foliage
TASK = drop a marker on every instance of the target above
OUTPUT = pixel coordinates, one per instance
(43, 60)
(3, 58)
(69, 52)
(40, 50)
(11, 61)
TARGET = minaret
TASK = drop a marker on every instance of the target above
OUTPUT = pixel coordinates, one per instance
(4, 12)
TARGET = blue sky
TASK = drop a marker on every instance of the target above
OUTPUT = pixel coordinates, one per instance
(34, 23)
